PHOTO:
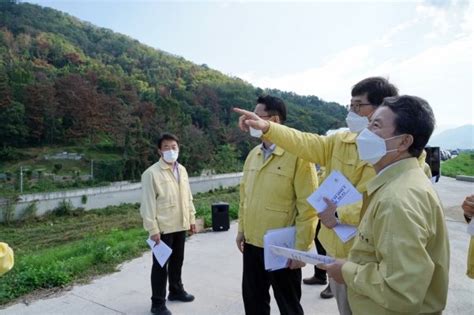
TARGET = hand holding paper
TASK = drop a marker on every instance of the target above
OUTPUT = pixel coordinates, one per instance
(341, 192)
(328, 216)
(336, 188)
(161, 251)
(284, 237)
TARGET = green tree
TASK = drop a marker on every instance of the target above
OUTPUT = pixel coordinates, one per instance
(226, 159)
(12, 121)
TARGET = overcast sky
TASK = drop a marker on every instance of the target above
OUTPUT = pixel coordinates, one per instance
(311, 47)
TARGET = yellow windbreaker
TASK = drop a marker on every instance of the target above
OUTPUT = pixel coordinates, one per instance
(6, 258)
(335, 152)
(273, 194)
(399, 263)
(167, 206)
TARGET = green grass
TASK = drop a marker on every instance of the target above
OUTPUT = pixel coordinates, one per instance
(59, 265)
(54, 251)
(463, 164)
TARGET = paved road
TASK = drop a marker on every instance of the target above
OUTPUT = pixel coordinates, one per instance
(212, 272)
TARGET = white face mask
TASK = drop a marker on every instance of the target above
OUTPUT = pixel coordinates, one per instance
(255, 132)
(170, 156)
(371, 147)
(356, 123)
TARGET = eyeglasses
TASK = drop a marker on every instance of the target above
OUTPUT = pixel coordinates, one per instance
(356, 107)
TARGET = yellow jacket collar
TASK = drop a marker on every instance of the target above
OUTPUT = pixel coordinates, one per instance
(278, 151)
(389, 174)
(163, 164)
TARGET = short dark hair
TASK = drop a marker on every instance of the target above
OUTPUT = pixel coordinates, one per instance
(273, 106)
(377, 88)
(414, 116)
(167, 136)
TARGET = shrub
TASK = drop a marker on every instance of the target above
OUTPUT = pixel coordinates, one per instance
(7, 209)
(29, 174)
(57, 167)
(29, 212)
(11, 154)
(109, 170)
(64, 208)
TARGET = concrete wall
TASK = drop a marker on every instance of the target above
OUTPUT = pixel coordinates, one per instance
(115, 194)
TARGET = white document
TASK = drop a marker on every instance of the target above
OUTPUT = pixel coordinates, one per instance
(336, 188)
(339, 190)
(345, 231)
(161, 251)
(470, 227)
(307, 257)
(284, 237)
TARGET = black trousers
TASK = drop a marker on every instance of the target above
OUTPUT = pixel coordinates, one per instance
(319, 273)
(172, 269)
(256, 281)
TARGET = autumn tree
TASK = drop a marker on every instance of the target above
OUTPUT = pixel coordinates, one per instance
(83, 114)
(41, 113)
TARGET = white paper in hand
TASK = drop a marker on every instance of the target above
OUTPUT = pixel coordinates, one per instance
(255, 132)
(345, 231)
(307, 257)
(284, 237)
(161, 251)
(470, 227)
(336, 188)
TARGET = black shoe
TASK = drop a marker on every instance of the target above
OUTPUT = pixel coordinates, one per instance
(314, 280)
(326, 293)
(160, 310)
(182, 296)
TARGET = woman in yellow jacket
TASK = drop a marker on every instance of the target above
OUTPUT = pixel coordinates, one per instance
(6, 258)
(468, 207)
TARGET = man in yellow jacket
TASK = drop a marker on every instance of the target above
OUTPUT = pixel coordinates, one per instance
(168, 212)
(399, 263)
(468, 207)
(6, 258)
(335, 152)
(273, 193)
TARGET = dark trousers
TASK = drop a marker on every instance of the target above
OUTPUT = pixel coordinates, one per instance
(319, 273)
(172, 268)
(256, 281)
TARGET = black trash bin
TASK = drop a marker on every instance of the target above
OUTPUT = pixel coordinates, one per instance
(220, 216)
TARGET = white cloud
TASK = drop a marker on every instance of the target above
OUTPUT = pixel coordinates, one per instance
(387, 39)
(440, 74)
(446, 17)
(331, 81)
(440, 71)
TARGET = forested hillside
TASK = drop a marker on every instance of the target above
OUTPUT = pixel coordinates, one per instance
(67, 82)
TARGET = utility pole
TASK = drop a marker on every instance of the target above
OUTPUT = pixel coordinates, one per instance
(21, 179)
(92, 169)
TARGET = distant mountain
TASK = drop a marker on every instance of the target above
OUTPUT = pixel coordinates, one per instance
(457, 138)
